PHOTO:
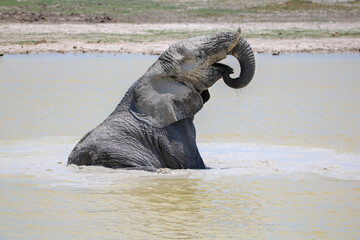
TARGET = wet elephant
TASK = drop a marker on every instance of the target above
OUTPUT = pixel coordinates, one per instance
(152, 127)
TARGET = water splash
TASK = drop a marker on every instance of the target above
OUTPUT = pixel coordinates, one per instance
(47, 158)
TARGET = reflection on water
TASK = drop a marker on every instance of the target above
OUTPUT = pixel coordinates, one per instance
(253, 189)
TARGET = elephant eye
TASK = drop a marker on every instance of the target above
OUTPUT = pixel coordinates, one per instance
(199, 57)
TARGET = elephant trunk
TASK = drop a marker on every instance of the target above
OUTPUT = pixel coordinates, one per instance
(244, 54)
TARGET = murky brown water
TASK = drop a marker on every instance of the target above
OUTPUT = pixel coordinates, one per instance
(172, 207)
(283, 154)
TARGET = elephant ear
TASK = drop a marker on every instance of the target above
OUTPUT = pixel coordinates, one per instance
(162, 101)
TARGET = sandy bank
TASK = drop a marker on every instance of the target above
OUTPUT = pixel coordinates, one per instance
(155, 38)
(326, 45)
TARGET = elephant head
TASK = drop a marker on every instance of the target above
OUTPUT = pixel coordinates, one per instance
(176, 86)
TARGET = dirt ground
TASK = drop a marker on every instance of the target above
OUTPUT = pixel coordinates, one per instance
(150, 26)
(24, 38)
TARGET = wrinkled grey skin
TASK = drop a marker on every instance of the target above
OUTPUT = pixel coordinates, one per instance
(152, 127)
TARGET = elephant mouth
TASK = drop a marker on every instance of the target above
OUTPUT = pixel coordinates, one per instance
(220, 70)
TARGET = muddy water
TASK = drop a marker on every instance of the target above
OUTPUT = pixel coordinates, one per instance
(283, 154)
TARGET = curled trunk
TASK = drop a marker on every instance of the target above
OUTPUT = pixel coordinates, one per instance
(244, 54)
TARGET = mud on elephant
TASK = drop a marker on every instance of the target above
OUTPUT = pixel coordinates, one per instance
(152, 127)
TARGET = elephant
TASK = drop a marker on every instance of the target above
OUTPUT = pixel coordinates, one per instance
(152, 126)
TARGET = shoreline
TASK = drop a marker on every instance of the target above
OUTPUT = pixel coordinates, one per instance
(325, 45)
(345, 45)
(153, 39)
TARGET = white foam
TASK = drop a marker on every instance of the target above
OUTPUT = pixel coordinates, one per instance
(47, 157)
(249, 159)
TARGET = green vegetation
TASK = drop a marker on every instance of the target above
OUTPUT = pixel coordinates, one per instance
(304, 5)
(294, 33)
(167, 11)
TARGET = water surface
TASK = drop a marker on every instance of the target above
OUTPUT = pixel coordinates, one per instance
(297, 99)
(283, 154)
